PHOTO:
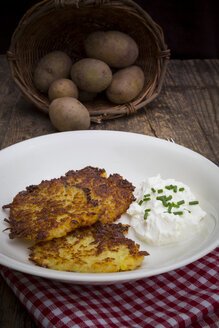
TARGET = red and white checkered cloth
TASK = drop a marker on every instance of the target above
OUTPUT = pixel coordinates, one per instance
(186, 297)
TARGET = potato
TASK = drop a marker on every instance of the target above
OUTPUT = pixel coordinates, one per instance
(53, 66)
(115, 48)
(91, 75)
(126, 84)
(68, 114)
(62, 88)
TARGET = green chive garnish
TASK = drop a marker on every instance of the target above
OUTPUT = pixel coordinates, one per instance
(164, 199)
(146, 212)
(145, 199)
(181, 189)
(160, 191)
(178, 213)
(175, 205)
(161, 198)
(195, 202)
(169, 187)
(181, 202)
(153, 190)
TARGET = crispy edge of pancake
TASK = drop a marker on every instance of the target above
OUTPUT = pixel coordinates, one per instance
(36, 216)
(21, 228)
(114, 193)
(88, 171)
(98, 248)
(111, 196)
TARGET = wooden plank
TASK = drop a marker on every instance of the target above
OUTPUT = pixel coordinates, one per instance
(26, 122)
(12, 313)
(187, 110)
(8, 97)
(19, 119)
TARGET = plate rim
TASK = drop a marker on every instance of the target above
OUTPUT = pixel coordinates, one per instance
(81, 132)
(101, 278)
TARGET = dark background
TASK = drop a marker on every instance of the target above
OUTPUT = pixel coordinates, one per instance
(191, 27)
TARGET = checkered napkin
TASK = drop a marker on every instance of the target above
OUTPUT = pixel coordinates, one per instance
(186, 297)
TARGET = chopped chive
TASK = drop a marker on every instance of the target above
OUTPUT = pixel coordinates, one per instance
(153, 190)
(195, 202)
(169, 208)
(162, 198)
(174, 187)
(181, 202)
(160, 191)
(148, 210)
(145, 215)
(178, 213)
(169, 187)
(174, 205)
(181, 189)
(145, 199)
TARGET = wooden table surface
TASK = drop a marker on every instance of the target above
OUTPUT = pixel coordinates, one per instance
(187, 110)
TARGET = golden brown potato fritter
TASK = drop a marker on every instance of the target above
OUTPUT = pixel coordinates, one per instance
(114, 193)
(80, 198)
(98, 248)
(50, 210)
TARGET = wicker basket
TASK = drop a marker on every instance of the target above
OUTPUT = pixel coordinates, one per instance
(63, 25)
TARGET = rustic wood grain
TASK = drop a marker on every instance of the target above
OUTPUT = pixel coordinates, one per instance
(12, 313)
(187, 110)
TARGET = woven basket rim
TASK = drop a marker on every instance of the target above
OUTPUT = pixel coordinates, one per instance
(96, 116)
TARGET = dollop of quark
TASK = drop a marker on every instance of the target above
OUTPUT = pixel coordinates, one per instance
(165, 211)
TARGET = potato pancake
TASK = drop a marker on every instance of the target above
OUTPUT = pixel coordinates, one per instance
(114, 193)
(98, 248)
(80, 198)
(50, 210)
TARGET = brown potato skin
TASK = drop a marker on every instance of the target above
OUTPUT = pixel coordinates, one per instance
(51, 67)
(62, 88)
(126, 84)
(67, 114)
(91, 75)
(115, 48)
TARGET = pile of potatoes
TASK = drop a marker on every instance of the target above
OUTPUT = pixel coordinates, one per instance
(109, 67)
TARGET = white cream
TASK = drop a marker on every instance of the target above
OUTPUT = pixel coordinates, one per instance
(158, 227)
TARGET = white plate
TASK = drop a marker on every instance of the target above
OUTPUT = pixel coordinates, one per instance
(135, 157)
